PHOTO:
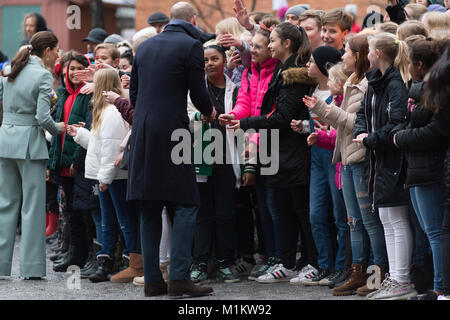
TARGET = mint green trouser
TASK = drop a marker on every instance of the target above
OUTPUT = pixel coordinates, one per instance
(22, 191)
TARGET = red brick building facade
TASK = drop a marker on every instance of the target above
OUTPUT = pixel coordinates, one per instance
(209, 14)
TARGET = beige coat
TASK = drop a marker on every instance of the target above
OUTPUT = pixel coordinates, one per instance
(343, 119)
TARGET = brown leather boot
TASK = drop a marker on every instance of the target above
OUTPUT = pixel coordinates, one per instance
(135, 269)
(153, 289)
(179, 289)
(364, 290)
(357, 279)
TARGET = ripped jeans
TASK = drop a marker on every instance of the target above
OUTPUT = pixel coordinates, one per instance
(366, 230)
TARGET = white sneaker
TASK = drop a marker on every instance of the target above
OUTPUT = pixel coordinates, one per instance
(306, 273)
(396, 291)
(441, 297)
(278, 274)
(138, 281)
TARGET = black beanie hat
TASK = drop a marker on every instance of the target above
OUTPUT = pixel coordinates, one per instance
(325, 56)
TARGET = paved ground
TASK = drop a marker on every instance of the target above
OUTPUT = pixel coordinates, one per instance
(55, 287)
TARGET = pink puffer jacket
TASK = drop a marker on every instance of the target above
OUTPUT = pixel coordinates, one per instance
(251, 94)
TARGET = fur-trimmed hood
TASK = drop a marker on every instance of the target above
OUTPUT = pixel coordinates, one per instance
(297, 75)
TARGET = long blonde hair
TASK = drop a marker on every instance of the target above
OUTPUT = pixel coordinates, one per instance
(104, 80)
(394, 50)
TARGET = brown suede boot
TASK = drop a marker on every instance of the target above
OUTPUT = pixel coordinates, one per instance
(357, 279)
(135, 269)
(153, 289)
(364, 290)
(179, 289)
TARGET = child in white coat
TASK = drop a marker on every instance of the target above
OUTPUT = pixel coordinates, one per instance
(103, 146)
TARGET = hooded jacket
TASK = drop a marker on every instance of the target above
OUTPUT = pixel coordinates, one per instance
(61, 155)
(382, 109)
(282, 103)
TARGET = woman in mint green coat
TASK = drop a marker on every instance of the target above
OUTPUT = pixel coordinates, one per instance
(25, 90)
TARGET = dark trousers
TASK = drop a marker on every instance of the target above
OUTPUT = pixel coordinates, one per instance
(215, 218)
(293, 209)
(77, 228)
(445, 251)
(181, 241)
(245, 224)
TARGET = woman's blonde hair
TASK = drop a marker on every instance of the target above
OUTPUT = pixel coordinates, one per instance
(230, 25)
(394, 50)
(104, 80)
(436, 20)
(440, 34)
(337, 73)
(411, 27)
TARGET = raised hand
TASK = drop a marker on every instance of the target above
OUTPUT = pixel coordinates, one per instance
(242, 15)
(296, 125)
(86, 75)
(310, 101)
(110, 96)
(312, 138)
(226, 118)
(234, 61)
(228, 40)
(72, 130)
(125, 81)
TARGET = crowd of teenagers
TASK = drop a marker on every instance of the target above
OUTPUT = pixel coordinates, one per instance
(360, 202)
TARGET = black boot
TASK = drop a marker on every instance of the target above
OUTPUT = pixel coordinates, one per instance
(105, 268)
(76, 256)
(91, 266)
(122, 264)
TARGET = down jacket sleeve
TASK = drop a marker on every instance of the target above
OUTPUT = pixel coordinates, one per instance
(427, 138)
(396, 112)
(82, 138)
(289, 101)
(111, 137)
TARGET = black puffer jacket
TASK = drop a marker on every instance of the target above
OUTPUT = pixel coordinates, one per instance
(282, 103)
(424, 148)
(382, 109)
(85, 191)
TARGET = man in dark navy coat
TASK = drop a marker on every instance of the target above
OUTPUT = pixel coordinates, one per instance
(165, 69)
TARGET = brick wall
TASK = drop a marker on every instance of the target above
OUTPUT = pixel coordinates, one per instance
(211, 16)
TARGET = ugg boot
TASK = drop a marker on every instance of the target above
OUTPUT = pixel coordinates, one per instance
(52, 224)
(357, 279)
(365, 290)
(135, 269)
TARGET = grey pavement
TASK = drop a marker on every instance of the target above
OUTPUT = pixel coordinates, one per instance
(55, 287)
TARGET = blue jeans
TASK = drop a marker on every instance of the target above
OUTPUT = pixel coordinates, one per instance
(428, 203)
(323, 194)
(97, 217)
(268, 217)
(114, 205)
(364, 224)
(181, 240)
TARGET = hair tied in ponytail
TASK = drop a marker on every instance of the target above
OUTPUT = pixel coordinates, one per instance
(30, 48)
(263, 26)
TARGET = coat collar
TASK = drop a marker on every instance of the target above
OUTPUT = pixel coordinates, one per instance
(181, 25)
(36, 60)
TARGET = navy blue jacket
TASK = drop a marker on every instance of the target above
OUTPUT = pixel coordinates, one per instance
(165, 69)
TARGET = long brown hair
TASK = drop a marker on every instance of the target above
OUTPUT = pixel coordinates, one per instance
(104, 80)
(38, 43)
(360, 48)
(300, 45)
